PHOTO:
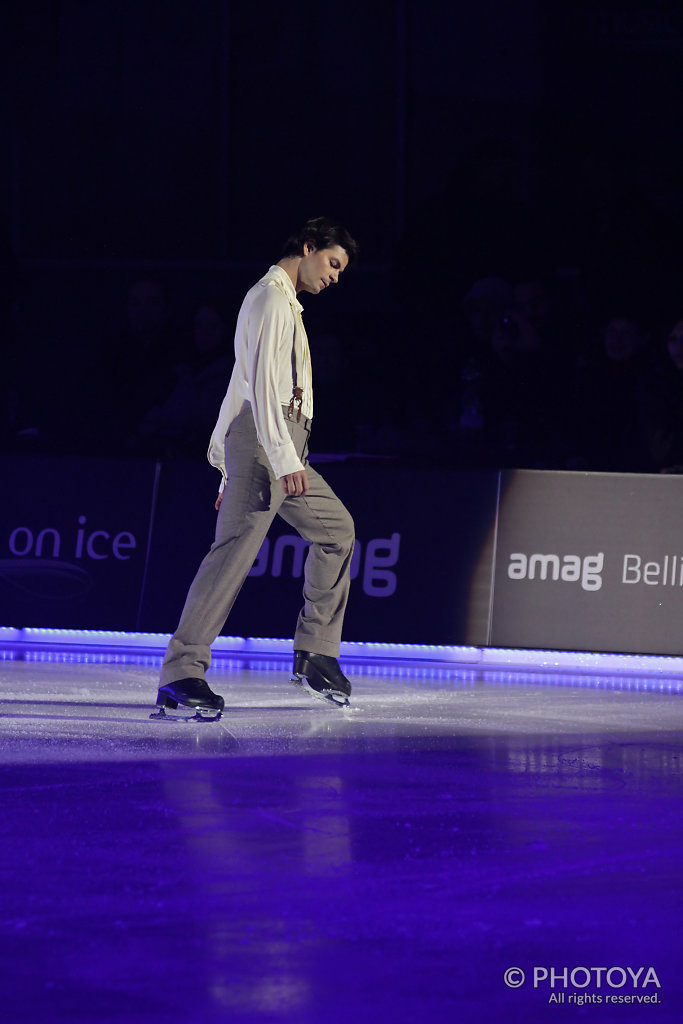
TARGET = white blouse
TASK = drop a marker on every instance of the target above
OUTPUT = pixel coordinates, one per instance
(271, 358)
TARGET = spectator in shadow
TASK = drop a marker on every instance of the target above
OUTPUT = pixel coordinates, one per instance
(505, 385)
(143, 365)
(479, 224)
(15, 373)
(661, 403)
(483, 223)
(605, 432)
(621, 218)
(332, 371)
(182, 423)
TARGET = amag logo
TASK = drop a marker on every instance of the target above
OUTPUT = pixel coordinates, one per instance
(567, 568)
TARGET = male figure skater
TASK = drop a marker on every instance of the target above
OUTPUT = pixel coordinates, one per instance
(260, 444)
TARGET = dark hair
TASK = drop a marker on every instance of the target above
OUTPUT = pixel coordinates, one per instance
(321, 233)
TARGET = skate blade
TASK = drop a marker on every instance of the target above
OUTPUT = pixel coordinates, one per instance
(162, 715)
(333, 697)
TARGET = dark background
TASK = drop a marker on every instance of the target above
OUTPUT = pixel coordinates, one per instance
(180, 144)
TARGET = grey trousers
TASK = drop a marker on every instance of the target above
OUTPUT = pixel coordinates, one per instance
(251, 499)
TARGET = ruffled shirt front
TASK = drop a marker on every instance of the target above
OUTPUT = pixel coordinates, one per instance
(271, 359)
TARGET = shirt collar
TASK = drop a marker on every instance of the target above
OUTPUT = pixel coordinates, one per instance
(285, 282)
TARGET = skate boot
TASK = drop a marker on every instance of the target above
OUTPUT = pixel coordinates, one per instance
(193, 693)
(320, 675)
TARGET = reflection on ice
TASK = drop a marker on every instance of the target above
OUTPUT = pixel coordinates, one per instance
(83, 705)
(298, 863)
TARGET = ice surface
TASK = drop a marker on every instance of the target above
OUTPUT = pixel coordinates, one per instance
(298, 863)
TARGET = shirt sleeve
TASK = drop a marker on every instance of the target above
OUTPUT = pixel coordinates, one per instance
(271, 338)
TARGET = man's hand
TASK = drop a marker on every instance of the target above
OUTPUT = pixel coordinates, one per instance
(295, 483)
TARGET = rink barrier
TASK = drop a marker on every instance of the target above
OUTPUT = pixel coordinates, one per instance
(647, 671)
(517, 560)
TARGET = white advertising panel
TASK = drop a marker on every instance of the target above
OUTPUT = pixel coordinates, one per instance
(589, 561)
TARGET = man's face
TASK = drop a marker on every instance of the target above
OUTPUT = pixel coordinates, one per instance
(319, 268)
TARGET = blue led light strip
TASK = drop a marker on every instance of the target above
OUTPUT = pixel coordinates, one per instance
(656, 667)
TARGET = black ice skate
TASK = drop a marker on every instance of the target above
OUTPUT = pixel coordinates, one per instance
(321, 676)
(191, 693)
